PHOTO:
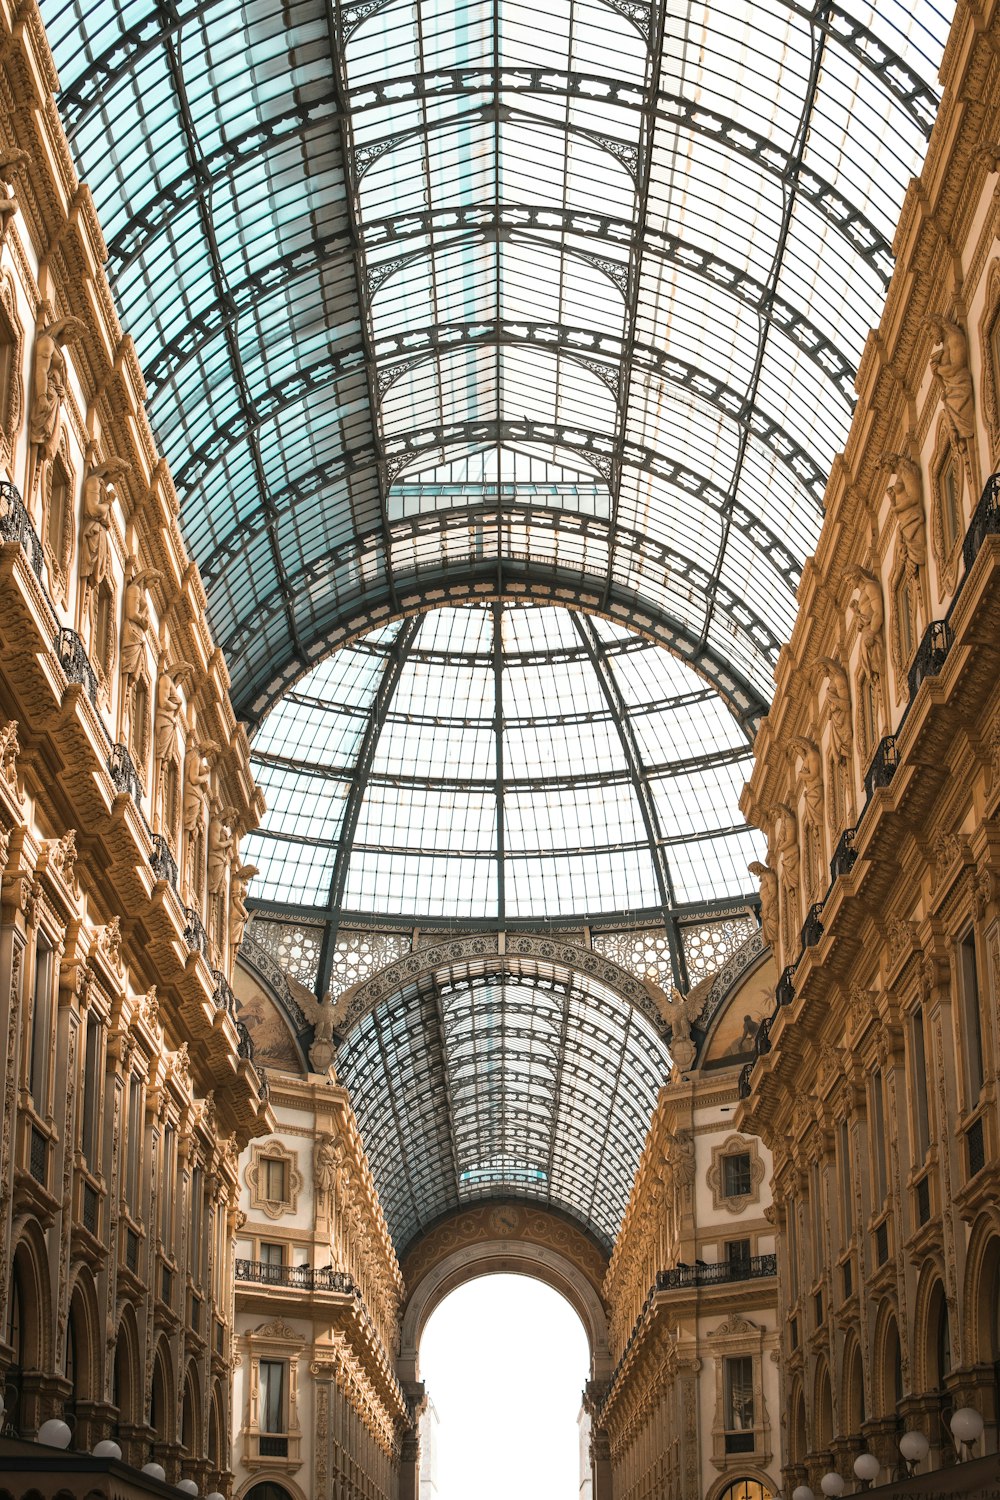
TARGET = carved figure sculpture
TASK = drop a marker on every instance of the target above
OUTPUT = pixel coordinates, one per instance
(325, 1165)
(8, 200)
(98, 498)
(768, 901)
(48, 386)
(239, 915)
(197, 775)
(906, 496)
(321, 1014)
(136, 620)
(812, 777)
(786, 842)
(680, 1012)
(950, 363)
(220, 848)
(838, 703)
(678, 1157)
(168, 707)
(869, 611)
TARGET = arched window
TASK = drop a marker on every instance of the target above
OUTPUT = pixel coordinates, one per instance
(746, 1489)
(268, 1491)
(939, 1348)
(892, 1369)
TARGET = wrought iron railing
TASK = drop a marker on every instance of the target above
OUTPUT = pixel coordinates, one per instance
(163, 862)
(985, 519)
(194, 931)
(743, 1082)
(223, 994)
(812, 927)
(75, 662)
(931, 655)
(244, 1045)
(762, 1038)
(303, 1278)
(15, 526)
(748, 1269)
(784, 990)
(883, 766)
(123, 773)
(844, 855)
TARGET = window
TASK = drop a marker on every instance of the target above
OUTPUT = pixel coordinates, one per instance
(104, 630)
(970, 1018)
(846, 1214)
(90, 1137)
(738, 1256)
(880, 1184)
(140, 725)
(918, 1087)
(272, 1395)
(737, 1386)
(133, 1145)
(736, 1178)
(167, 1188)
(58, 533)
(275, 1179)
(271, 1254)
(8, 372)
(171, 800)
(869, 715)
(905, 632)
(197, 1222)
(41, 1026)
(951, 506)
(792, 1236)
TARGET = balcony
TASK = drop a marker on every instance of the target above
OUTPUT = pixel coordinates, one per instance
(223, 996)
(15, 526)
(844, 855)
(743, 1089)
(784, 990)
(883, 766)
(985, 520)
(299, 1278)
(812, 928)
(163, 862)
(931, 655)
(123, 773)
(194, 931)
(723, 1272)
(75, 662)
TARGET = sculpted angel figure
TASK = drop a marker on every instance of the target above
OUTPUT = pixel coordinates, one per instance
(136, 619)
(812, 777)
(950, 363)
(98, 498)
(869, 611)
(48, 373)
(906, 496)
(838, 702)
(768, 901)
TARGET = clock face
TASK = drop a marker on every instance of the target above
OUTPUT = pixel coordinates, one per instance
(505, 1221)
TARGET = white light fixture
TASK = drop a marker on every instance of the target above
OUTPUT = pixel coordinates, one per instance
(187, 1486)
(914, 1446)
(215, 1495)
(802, 1492)
(866, 1467)
(2, 1406)
(966, 1425)
(55, 1433)
(107, 1448)
(154, 1471)
(832, 1484)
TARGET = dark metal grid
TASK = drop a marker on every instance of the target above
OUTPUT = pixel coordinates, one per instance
(112, 63)
(503, 1078)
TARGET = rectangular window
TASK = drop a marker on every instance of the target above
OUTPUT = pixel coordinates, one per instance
(918, 1086)
(792, 1230)
(92, 1093)
(736, 1181)
(881, 1184)
(845, 1183)
(133, 1145)
(738, 1255)
(737, 1381)
(41, 1026)
(971, 1020)
(197, 1222)
(271, 1253)
(904, 618)
(275, 1179)
(272, 1395)
(167, 1188)
(951, 509)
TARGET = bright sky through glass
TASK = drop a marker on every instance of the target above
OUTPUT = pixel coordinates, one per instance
(505, 1360)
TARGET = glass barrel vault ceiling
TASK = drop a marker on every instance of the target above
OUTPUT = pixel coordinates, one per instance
(501, 764)
(533, 1082)
(429, 292)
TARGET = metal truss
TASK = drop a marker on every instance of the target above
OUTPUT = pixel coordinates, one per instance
(359, 785)
(90, 89)
(681, 114)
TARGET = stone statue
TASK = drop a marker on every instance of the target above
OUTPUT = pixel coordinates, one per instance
(325, 1165)
(680, 1012)
(321, 1014)
(838, 702)
(220, 848)
(812, 777)
(786, 841)
(98, 498)
(869, 611)
(49, 377)
(950, 363)
(238, 913)
(136, 620)
(678, 1157)
(168, 707)
(768, 902)
(197, 776)
(8, 199)
(906, 496)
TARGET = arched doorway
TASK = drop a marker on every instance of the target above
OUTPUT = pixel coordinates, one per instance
(504, 1359)
(267, 1490)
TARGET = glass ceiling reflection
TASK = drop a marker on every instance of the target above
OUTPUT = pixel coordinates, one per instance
(531, 1082)
(501, 764)
(432, 291)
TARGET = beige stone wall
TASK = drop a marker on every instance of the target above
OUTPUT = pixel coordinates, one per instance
(876, 1086)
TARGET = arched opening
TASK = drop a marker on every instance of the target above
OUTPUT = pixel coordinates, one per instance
(937, 1366)
(890, 1368)
(823, 1409)
(126, 1382)
(746, 1489)
(267, 1491)
(217, 1430)
(81, 1344)
(853, 1404)
(191, 1416)
(161, 1396)
(798, 1442)
(504, 1360)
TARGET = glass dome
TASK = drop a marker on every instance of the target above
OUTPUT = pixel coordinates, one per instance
(501, 763)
